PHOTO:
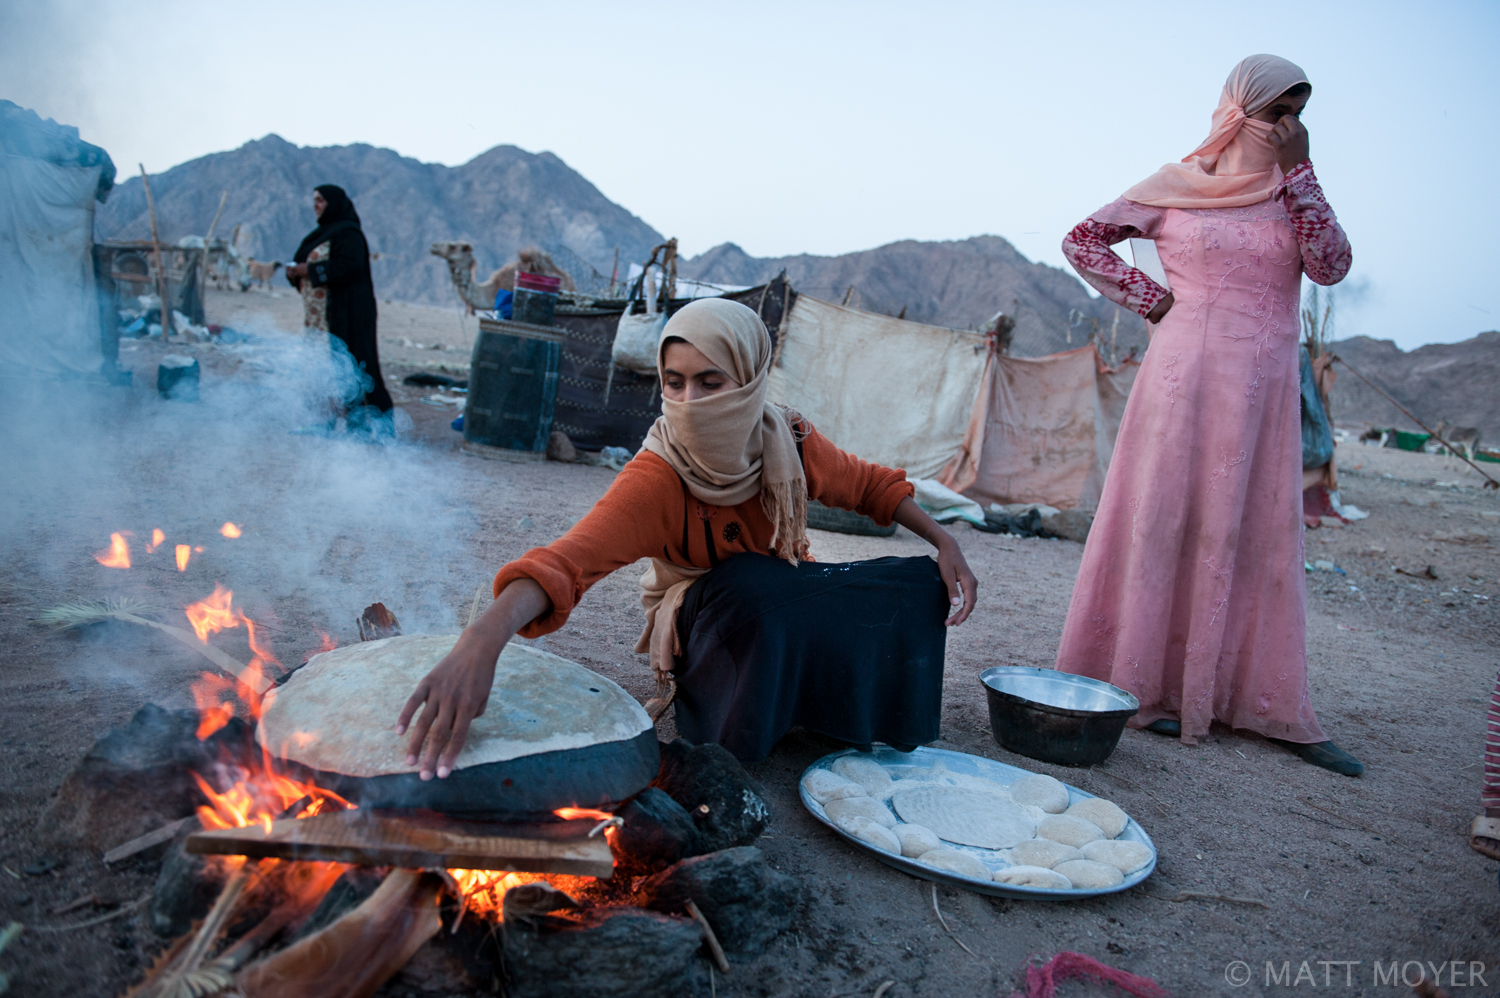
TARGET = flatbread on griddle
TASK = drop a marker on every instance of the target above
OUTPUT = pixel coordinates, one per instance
(966, 817)
(338, 712)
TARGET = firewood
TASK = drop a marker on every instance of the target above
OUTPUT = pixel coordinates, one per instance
(377, 622)
(140, 844)
(708, 937)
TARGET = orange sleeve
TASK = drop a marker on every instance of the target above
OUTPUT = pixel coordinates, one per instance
(629, 522)
(839, 479)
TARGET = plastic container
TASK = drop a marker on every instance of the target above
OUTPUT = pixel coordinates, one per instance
(1055, 716)
(535, 299)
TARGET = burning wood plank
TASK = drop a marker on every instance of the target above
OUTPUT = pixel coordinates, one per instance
(368, 839)
(377, 622)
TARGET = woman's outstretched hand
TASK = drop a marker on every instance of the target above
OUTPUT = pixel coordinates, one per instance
(457, 690)
(963, 588)
(1289, 137)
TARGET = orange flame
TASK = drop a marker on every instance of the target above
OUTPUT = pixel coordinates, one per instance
(574, 813)
(156, 538)
(260, 798)
(230, 530)
(118, 553)
(213, 613)
(328, 643)
(209, 696)
(183, 553)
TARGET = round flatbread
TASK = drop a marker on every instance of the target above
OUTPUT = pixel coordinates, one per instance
(1038, 790)
(1088, 875)
(954, 861)
(1069, 829)
(865, 807)
(824, 786)
(1106, 814)
(338, 712)
(1123, 855)
(916, 840)
(966, 817)
(869, 832)
(1032, 876)
(868, 773)
(1042, 852)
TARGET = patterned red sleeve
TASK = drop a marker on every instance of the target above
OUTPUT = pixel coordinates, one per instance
(1326, 256)
(1087, 248)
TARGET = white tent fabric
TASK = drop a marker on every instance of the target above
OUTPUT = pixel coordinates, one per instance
(49, 312)
(1043, 430)
(894, 392)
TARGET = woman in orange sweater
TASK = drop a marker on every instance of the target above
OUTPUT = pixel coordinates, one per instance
(758, 637)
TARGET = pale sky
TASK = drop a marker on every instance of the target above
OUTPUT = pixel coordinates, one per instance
(828, 127)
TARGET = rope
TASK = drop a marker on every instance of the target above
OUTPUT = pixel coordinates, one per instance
(1490, 483)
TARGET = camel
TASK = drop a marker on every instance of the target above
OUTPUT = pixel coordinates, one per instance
(481, 295)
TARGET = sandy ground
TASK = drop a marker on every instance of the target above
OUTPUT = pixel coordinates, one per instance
(1366, 870)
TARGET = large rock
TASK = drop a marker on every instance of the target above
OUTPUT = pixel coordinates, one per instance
(620, 952)
(658, 832)
(137, 778)
(728, 806)
(745, 901)
(1067, 524)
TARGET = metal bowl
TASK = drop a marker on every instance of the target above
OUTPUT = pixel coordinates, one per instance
(1054, 716)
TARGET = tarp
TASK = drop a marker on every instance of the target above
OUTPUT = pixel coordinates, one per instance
(1042, 430)
(894, 392)
(49, 311)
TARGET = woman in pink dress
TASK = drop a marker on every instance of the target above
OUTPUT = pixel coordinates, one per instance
(1191, 594)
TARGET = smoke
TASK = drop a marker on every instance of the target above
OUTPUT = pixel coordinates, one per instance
(329, 523)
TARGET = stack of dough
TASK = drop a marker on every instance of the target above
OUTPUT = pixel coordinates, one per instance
(1052, 843)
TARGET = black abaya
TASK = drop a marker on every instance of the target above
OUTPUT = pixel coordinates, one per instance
(853, 651)
(351, 291)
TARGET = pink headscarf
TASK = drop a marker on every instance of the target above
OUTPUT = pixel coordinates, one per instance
(1236, 164)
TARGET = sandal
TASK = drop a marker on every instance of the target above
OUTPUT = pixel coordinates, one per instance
(1325, 755)
(1484, 836)
(1165, 726)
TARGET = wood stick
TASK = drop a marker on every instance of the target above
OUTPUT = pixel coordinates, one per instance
(143, 842)
(215, 223)
(161, 273)
(1161, 805)
(944, 922)
(75, 904)
(1310, 803)
(708, 936)
(126, 909)
(218, 917)
(1199, 896)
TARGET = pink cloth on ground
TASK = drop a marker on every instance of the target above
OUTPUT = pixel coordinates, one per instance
(1191, 594)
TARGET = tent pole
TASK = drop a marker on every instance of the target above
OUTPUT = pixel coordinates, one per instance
(161, 273)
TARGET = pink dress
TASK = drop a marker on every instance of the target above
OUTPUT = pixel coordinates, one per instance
(1191, 594)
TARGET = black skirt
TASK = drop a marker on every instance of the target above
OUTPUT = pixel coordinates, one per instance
(852, 651)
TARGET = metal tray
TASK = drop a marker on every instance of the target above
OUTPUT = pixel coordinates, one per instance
(900, 763)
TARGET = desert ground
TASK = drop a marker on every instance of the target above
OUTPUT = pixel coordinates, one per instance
(1298, 865)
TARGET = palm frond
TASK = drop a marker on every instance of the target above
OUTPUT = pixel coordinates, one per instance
(80, 612)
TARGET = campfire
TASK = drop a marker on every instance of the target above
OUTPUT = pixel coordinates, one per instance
(275, 885)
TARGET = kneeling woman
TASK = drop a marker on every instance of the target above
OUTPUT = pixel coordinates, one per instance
(757, 636)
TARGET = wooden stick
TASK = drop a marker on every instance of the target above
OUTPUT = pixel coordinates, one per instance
(161, 273)
(944, 922)
(1161, 805)
(218, 917)
(215, 223)
(126, 909)
(709, 937)
(143, 842)
(1198, 896)
(1310, 803)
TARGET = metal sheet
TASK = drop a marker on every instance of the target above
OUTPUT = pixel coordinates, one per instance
(901, 763)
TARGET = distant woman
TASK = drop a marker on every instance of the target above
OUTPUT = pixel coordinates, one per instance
(758, 637)
(1191, 594)
(332, 271)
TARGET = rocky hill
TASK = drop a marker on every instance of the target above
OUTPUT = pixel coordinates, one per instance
(501, 201)
(959, 284)
(1454, 381)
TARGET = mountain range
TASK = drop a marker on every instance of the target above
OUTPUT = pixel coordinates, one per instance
(1437, 381)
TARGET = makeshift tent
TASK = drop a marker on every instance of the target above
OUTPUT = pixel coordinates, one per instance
(1042, 430)
(894, 392)
(49, 306)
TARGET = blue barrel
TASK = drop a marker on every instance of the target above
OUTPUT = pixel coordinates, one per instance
(512, 385)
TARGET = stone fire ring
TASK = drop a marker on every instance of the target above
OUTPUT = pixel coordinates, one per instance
(554, 734)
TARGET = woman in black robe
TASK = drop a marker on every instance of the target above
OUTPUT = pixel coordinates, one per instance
(332, 270)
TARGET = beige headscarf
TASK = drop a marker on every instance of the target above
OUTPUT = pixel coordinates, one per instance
(727, 448)
(1236, 165)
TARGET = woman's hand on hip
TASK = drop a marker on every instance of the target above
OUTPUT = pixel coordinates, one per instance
(1162, 308)
(1289, 137)
(457, 690)
(963, 588)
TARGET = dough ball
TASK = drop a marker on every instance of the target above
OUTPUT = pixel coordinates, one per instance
(916, 839)
(1033, 876)
(1127, 857)
(957, 862)
(872, 833)
(1040, 791)
(868, 773)
(1108, 816)
(1088, 875)
(864, 807)
(824, 786)
(1043, 852)
(1069, 829)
